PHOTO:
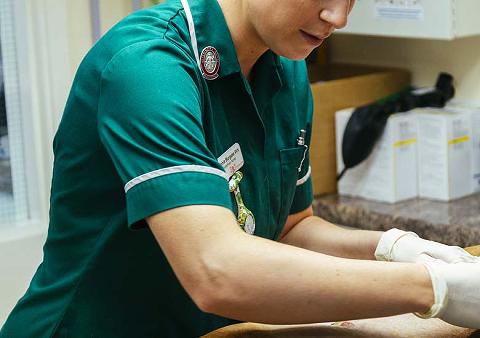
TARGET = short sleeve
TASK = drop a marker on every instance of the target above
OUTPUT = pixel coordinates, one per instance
(150, 123)
(303, 197)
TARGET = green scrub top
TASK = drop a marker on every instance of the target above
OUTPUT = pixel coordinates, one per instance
(141, 133)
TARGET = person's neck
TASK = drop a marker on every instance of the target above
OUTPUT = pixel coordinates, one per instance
(248, 45)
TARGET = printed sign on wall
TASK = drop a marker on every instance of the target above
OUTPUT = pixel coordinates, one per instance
(400, 10)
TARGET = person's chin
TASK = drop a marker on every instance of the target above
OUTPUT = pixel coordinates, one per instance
(298, 54)
(297, 50)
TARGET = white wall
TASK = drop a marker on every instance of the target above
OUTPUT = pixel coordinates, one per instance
(79, 24)
(79, 30)
(424, 58)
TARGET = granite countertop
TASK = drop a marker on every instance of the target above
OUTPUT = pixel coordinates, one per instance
(455, 223)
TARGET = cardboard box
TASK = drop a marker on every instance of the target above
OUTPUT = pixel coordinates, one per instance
(444, 154)
(351, 183)
(389, 174)
(336, 87)
(474, 112)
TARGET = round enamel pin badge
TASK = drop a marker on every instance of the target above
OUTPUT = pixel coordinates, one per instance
(210, 63)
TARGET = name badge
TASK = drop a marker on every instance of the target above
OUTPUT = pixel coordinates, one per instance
(232, 160)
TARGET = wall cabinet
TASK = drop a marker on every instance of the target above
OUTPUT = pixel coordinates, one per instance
(428, 19)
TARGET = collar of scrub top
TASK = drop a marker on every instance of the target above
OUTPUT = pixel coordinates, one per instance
(208, 27)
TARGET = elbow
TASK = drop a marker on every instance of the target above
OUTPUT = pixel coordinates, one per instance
(214, 290)
(206, 301)
(216, 280)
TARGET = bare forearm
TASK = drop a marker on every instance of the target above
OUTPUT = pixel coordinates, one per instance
(269, 282)
(232, 274)
(316, 234)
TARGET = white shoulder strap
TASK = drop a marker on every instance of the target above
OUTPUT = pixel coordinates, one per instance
(191, 28)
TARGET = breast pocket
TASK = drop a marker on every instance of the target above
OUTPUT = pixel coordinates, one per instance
(290, 160)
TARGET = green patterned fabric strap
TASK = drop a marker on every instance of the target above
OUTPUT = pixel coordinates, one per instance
(245, 217)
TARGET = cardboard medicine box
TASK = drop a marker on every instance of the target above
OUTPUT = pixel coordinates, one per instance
(474, 113)
(335, 87)
(444, 154)
(389, 174)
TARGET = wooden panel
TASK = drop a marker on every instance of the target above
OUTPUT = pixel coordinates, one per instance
(474, 250)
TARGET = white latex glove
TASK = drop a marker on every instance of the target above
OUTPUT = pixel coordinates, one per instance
(457, 292)
(400, 246)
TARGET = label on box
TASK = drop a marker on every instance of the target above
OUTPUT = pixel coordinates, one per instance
(399, 10)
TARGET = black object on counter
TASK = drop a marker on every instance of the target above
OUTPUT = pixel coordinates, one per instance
(367, 123)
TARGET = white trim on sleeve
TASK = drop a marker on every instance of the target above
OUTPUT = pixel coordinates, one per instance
(306, 177)
(173, 170)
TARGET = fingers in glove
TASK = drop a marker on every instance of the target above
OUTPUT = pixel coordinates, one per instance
(462, 256)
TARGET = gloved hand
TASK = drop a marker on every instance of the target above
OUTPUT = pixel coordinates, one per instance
(400, 246)
(457, 292)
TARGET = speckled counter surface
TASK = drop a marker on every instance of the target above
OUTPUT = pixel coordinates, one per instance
(454, 223)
